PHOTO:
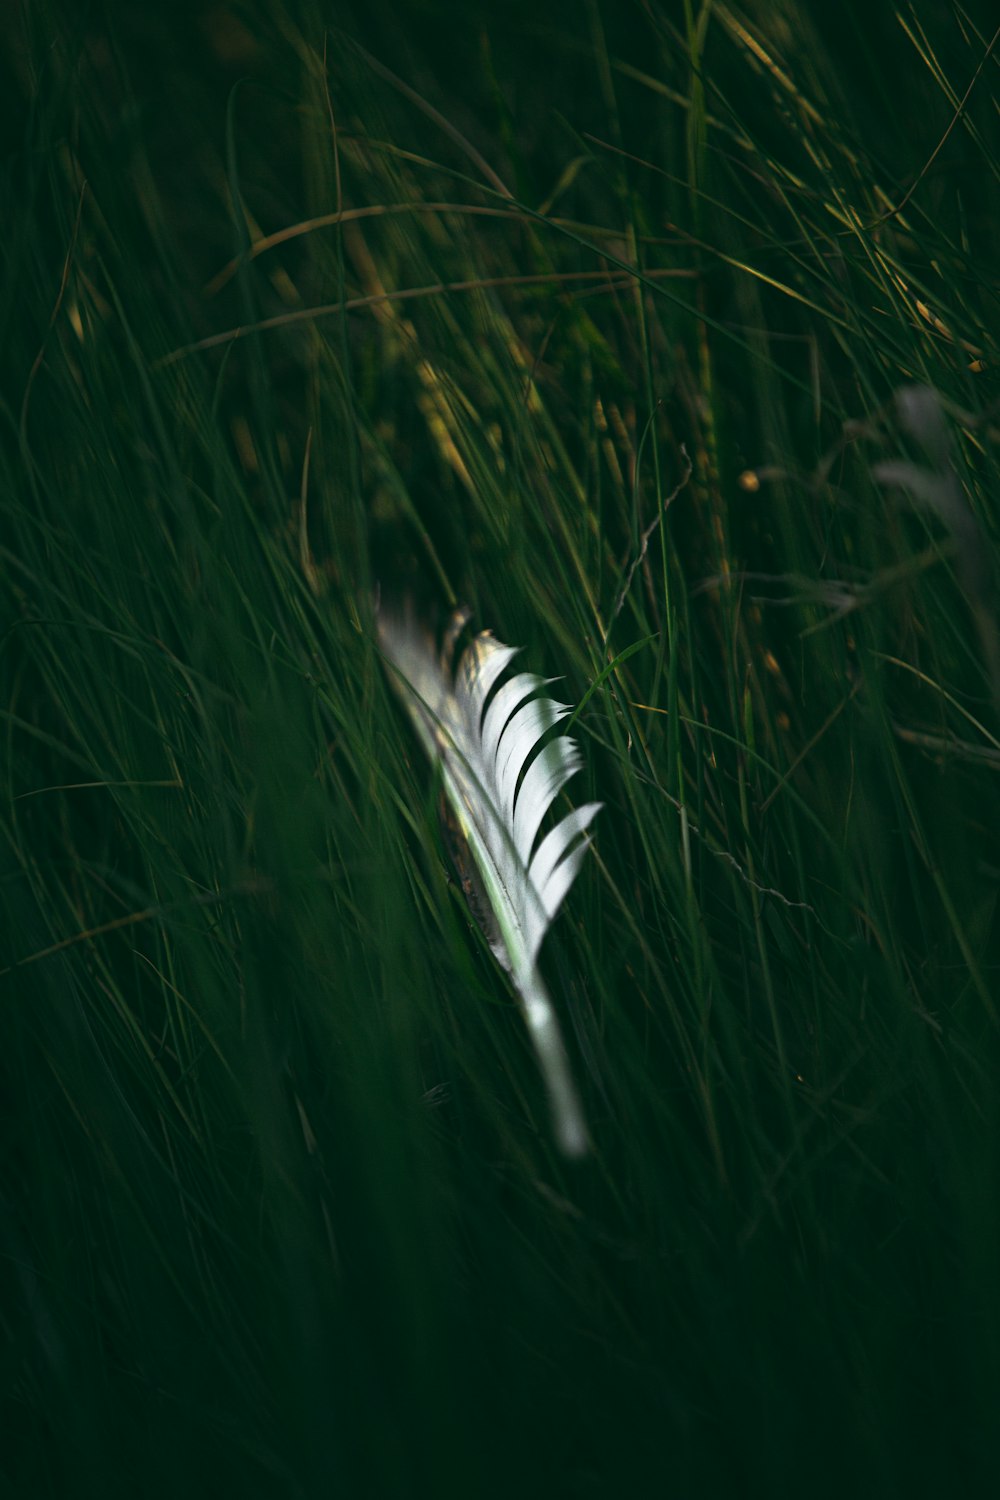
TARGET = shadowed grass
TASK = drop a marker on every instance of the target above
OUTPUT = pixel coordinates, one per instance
(620, 327)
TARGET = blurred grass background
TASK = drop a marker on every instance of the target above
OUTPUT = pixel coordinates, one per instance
(666, 337)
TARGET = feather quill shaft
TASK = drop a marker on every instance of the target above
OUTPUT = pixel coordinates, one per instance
(499, 785)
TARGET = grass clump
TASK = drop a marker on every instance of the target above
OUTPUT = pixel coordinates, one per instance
(666, 340)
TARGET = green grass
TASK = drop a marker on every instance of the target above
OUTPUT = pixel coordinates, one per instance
(602, 321)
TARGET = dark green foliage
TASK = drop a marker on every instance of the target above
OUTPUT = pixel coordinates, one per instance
(616, 339)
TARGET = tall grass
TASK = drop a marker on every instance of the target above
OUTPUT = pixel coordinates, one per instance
(666, 339)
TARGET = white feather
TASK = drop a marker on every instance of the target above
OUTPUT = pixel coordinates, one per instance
(500, 786)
